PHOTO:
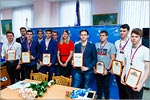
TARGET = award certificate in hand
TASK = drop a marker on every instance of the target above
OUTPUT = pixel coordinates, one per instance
(46, 58)
(25, 57)
(133, 77)
(117, 67)
(100, 67)
(78, 59)
(11, 55)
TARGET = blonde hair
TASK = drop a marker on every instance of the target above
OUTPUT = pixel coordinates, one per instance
(62, 40)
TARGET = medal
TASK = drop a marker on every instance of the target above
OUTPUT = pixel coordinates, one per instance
(122, 48)
(122, 51)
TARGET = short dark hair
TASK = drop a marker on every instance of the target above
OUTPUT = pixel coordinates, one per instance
(40, 30)
(125, 26)
(104, 32)
(48, 30)
(9, 32)
(137, 31)
(55, 32)
(84, 31)
(22, 28)
(29, 31)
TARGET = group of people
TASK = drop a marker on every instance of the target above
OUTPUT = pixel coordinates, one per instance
(127, 50)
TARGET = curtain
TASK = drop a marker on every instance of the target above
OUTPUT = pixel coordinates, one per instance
(135, 13)
(22, 17)
(68, 12)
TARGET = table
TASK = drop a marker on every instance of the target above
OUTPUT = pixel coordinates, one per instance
(4, 73)
(54, 92)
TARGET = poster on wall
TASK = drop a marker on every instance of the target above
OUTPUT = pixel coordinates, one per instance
(6, 26)
(105, 19)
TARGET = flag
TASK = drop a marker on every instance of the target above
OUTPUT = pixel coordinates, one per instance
(77, 17)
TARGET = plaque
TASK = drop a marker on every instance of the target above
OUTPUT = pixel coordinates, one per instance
(11, 55)
(78, 59)
(25, 57)
(117, 67)
(46, 59)
(100, 67)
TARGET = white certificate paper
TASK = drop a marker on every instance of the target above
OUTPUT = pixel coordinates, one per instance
(11, 55)
(100, 67)
(25, 57)
(117, 67)
(46, 59)
(133, 77)
(78, 59)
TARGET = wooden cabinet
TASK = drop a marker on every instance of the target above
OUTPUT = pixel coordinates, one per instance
(4, 73)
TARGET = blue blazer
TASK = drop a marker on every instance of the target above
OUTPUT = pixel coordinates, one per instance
(52, 49)
(34, 51)
(89, 57)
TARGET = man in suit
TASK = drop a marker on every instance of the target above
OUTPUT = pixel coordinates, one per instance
(85, 72)
(20, 40)
(32, 46)
(48, 46)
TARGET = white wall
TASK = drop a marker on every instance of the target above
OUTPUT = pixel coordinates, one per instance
(7, 14)
(105, 6)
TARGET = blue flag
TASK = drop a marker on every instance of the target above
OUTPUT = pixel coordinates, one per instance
(77, 19)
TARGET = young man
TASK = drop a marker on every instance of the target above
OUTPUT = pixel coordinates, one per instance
(122, 45)
(40, 35)
(12, 65)
(32, 46)
(105, 53)
(55, 35)
(85, 72)
(136, 57)
(20, 40)
(49, 46)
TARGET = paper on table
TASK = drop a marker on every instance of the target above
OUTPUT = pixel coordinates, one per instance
(20, 84)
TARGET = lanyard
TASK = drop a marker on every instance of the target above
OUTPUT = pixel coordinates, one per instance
(10, 46)
(132, 56)
(29, 45)
(47, 44)
(120, 46)
(102, 47)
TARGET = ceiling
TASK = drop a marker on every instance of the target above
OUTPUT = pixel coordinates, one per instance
(15, 3)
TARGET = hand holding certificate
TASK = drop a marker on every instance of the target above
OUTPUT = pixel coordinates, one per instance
(46, 59)
(25, 57)
(78, 59)
(11, 55)
(117, 67)
(133, 77)
(100, 67)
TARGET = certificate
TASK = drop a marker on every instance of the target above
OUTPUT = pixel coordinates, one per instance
(78, 59)
(133, 77)
(46, 58)
(117, 67)
(11, 55)
(100, 67)
(25, 57)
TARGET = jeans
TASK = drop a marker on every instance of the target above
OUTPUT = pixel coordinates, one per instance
(78, 79)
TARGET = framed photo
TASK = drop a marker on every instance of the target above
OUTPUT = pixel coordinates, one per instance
(6, 26)
(117, 67)
(78, 59)
(11, 55)
(46, 58)
(105, 19)
(25, 57)
(133, 77)
(100, 66)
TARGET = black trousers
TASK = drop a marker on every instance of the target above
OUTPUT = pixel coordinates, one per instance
(21, 73)
(134, 94)
(27, 70)
(12, 71)
(122, 88)
(102, 84)
(66, 71)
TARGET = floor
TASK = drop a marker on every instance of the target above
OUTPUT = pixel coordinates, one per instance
(146, 94)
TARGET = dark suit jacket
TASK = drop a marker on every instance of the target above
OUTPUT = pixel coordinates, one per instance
(52, 49)
(89, 57)
(34, 51)
(19, 40)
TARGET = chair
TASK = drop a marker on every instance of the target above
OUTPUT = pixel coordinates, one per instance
(61, 80)
(39, 76)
